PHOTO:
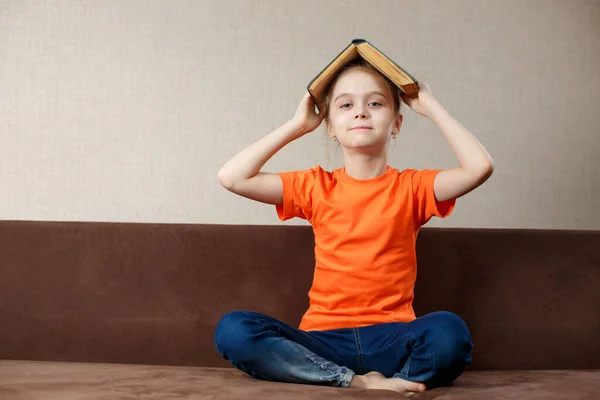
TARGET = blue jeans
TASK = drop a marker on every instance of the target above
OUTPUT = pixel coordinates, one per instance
(434, 349)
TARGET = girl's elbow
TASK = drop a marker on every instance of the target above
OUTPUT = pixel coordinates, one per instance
(487, 170)
(224, 179)
(490, 167)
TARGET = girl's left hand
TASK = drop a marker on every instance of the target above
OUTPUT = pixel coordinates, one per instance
(422, 103)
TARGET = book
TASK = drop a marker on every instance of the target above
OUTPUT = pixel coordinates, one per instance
(361, 48)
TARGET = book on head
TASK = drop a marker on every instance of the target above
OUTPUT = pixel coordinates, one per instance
(361, 48)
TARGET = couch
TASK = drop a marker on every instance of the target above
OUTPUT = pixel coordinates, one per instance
(102, 310)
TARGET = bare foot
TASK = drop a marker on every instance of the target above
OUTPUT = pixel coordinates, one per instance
(375, 380)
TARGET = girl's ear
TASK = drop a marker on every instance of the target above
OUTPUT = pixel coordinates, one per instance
(397, 124)
(330, 131)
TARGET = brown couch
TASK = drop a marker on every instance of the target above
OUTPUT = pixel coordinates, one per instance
(81, 302)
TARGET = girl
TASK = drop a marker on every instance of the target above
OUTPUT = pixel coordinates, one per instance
(360, 329)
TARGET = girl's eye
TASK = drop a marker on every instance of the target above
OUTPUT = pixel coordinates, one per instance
(348, 104)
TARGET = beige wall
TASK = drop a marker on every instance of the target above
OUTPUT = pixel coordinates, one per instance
(124, 110)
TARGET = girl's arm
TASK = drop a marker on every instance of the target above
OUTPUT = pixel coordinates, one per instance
(241, 174)
(476, 165)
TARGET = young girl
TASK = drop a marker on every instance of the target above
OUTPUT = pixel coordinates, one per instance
(360, 329)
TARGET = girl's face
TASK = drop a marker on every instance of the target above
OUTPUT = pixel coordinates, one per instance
(361, 111)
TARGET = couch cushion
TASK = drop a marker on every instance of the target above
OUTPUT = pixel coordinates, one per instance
(153, 293)
(49, 381)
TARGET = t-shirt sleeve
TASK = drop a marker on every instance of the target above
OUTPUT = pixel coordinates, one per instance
(297, 194)
(426, 205)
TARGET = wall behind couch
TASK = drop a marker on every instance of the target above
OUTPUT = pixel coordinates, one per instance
(125, 110)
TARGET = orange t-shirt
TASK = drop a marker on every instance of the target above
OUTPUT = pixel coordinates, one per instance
(365, 236)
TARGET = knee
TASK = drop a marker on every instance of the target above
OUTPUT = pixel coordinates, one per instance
(451, 340)
(231, 330)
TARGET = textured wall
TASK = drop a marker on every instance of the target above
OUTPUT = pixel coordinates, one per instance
(125, 110)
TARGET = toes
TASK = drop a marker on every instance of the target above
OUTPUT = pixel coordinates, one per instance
(417, 387)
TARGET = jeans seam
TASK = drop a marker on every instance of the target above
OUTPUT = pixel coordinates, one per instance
(360, 350)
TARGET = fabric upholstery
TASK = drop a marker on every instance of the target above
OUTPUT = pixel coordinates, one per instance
(33, 380)
(136, 293)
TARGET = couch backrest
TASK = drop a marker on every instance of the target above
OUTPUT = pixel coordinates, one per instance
(153, 293)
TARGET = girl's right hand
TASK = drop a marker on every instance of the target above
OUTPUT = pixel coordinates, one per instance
(306, 118)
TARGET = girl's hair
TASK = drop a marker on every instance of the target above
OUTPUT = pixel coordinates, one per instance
(361, 63)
